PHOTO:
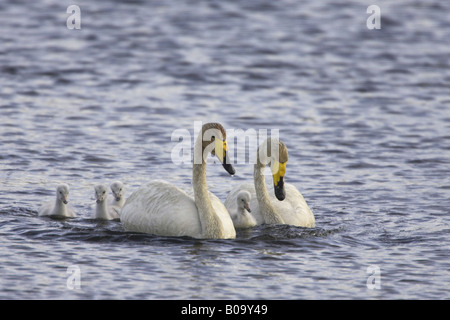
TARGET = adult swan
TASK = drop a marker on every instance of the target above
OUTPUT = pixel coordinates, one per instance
(287, 205)
(162, 209)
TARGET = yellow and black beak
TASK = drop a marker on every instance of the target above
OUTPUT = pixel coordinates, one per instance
(220, 149)
(278, 180)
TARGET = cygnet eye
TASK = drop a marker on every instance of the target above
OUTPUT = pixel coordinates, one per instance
(103, 192)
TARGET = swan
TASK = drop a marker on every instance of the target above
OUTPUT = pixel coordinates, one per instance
(287, 205)
(241, 213)
(118, 191)
(58, 208)
(163, 209)
(103, 211)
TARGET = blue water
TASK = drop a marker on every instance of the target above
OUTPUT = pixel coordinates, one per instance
(364, 113)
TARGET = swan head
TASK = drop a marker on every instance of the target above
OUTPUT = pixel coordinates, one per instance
(100, 193)
(118, 190)
(274, 151)
(62, 193)
(215, 132)
(243, 201)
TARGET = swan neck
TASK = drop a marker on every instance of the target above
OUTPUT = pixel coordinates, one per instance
(119, 203)
(269, 213)
(100, 209)
(60, 207)
(210, 222)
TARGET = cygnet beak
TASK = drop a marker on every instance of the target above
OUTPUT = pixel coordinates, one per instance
(247, 207)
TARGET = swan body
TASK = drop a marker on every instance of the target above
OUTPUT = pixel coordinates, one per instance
(286, 205)
(241, 212)
(58, 208)
(118, 191)
(293, 209)
(103, 211)
(161, 208)
(170, 210)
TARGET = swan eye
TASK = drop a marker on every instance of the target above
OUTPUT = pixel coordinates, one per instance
(213, 138)
(103, 192)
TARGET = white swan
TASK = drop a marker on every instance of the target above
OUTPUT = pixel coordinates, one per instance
(162, 209)
(241, 213)
(287, 205)
(58, 208)
(118, 191)
(103, 211)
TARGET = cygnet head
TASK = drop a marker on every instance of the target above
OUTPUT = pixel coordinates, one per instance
(243, 201)
(118, 190)
(62, 193)
(100, 193)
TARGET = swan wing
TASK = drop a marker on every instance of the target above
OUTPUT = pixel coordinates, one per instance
(294, 209)
(162, 209)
